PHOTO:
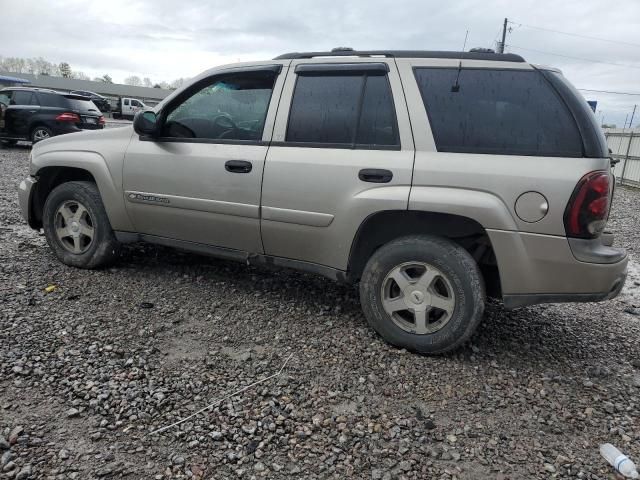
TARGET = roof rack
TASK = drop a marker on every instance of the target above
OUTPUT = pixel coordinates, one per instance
(349, 52)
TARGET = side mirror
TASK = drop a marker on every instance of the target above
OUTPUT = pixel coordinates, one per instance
(146, 123)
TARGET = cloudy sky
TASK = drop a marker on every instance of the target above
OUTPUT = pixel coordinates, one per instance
(167, 39)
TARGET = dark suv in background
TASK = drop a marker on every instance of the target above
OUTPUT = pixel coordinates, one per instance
(101, 102)
(36, 114)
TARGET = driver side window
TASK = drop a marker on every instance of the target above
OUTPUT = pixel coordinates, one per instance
(226, 107)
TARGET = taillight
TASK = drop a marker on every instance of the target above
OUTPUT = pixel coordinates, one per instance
(588, 208)
(68, 117)
(101, 120)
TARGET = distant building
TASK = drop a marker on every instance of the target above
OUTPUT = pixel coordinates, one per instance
(149, 96)
(7, 81)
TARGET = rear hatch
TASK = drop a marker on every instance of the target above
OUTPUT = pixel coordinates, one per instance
(90, 115)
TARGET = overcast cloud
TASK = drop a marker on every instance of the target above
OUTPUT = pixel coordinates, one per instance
(167, 39)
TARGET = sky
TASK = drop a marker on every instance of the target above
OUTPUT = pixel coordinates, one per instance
(167, 39)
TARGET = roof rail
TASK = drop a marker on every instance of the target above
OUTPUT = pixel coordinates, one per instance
(347, 52)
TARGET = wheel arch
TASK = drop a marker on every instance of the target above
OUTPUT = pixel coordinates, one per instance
(48, 179)
(36, 124)
(384, 226)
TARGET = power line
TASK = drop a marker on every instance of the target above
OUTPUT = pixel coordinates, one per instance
(574, 58)
(574, 34)
(608, 91)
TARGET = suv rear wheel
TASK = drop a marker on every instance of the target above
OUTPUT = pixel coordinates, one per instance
(77, 227)
(40, 133)
(423, 293)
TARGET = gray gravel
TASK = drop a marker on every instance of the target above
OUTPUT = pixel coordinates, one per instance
(88, 370)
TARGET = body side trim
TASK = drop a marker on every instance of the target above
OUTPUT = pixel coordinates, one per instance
(299, 217)
(197, 204)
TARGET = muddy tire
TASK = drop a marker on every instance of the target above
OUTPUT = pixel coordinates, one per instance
(423, 293)
(77, 227)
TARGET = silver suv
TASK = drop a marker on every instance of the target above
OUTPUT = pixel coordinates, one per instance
(431, 179)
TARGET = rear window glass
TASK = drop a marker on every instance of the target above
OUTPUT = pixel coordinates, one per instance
(81, 105)
(349, 109)
(508, 112)
(52, 100)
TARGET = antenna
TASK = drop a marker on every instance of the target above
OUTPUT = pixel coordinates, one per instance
(456, 86)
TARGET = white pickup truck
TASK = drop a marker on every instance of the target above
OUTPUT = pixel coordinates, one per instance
(128, 107)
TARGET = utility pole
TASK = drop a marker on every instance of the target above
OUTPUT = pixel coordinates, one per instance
(504, 36)
(632, 115)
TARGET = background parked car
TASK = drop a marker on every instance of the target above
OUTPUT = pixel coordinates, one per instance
(128, 107)
(36, 114)
(101, 102)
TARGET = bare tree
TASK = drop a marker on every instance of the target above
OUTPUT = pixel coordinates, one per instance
(80, 76)
(147, 82)
(133, 80)
(177, 83)
(14, 64)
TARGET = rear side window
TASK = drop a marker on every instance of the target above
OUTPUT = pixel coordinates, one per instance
(343, 110)
(126, 101)
(24, 98)
(504, 112)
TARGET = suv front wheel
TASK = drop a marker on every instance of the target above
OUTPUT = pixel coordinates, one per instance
(77, 227)
(423, 293)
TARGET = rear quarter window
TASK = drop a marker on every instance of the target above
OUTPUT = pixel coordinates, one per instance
(504, 112)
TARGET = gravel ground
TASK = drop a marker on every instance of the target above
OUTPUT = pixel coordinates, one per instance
(88, 370)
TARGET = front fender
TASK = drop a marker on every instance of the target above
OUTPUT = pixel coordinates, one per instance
(108, 181)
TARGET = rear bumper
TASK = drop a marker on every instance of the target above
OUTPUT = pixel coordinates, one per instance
(550, 269)
(25, 191)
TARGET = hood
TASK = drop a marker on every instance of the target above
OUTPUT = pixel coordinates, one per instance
(86, 140)
(109, 144)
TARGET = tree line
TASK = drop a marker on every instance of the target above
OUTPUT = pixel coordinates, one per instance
(41, 66)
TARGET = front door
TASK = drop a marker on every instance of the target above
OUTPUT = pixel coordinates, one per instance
(200, 179)
(342, 150)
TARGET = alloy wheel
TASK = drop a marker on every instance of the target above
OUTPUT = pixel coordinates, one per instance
(74, 227)
(418, 297)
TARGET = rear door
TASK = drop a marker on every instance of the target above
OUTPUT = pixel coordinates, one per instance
(342, 150)
(24, 106)
(5, 100)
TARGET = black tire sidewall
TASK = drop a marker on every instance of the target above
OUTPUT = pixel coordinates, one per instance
(461, 271)
(103, 244)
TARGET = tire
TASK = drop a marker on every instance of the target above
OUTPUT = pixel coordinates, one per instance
(40, 133)
(75, 247)
(432, 270)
